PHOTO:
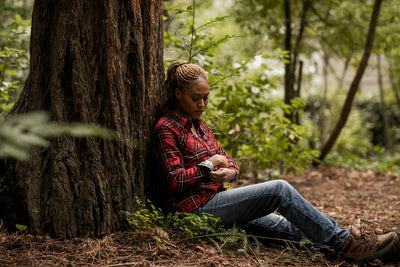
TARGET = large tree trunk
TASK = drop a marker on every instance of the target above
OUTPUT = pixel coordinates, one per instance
(355, 83)
(96, 62)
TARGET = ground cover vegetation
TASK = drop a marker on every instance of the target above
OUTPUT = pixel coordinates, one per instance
(249, 116)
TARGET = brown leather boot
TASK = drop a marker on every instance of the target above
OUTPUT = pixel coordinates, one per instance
(359, 247)
(393, 254)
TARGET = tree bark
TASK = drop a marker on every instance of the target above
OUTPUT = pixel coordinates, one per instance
(355, 83)
(94, 62)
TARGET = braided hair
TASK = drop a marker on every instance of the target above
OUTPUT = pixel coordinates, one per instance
(182, 74)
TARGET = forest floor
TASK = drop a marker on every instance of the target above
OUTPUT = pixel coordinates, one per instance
(359, 198)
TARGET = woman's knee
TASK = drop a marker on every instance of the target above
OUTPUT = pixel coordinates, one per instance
(281, 184)
(276, 187)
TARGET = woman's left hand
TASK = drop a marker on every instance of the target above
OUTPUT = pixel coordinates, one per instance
(222, 175)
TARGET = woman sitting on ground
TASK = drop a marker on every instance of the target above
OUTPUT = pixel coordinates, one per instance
(195, 167)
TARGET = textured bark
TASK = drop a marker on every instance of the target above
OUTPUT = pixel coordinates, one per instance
(96, 62)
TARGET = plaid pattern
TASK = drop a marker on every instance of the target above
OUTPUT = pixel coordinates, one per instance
(179, 151)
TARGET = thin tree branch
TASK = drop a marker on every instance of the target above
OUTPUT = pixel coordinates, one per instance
(355, 84)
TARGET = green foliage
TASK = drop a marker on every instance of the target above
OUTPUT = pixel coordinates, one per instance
(379, 161)
(354, 139)
(248, 122)
(254, 129)
(193, 225)
(364, 130)
(13, 61)
(145, 217)
(18, 134)
(187, 39)
(21, 227)
(148, 217)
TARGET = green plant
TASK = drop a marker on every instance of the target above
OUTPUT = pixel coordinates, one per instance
(148, 217)
(21, 227)
(189, 39)
(18, 134)
(376, 162)
(253, 127)
(145, 217)
(14, 61)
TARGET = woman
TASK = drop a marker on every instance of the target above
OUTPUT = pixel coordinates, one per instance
(196, 167)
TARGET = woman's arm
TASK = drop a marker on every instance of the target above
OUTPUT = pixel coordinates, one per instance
(170, 157)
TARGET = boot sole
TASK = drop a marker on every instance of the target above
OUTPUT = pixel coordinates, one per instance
(378, 253)
(389, 259)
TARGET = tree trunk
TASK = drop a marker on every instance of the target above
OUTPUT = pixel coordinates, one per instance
(95, 62)
(298, 90)
(386, 124)
(322, 118)
(355, 83)
(289, 67)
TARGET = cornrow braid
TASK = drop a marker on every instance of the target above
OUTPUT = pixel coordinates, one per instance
(182, 74)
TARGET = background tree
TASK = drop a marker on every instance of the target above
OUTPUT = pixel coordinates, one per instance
(355, 83)
(92, 62)
(284, 25)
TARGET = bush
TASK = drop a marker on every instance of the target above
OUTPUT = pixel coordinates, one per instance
(148, 217)
(249, 124)
(252, 126)
(14, 61)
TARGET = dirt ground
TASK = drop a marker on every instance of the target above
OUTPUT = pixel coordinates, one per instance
(364, 199)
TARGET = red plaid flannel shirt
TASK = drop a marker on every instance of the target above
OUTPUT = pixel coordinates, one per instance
(179, 151)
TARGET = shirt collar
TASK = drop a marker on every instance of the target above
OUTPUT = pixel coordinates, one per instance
(182, 121)
(185, 122)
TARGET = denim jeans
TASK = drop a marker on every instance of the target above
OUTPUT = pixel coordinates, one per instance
(252, 207)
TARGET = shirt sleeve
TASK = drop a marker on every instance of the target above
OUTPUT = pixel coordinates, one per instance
(178, 177)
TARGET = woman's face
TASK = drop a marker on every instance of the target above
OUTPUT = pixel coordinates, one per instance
(192, 101)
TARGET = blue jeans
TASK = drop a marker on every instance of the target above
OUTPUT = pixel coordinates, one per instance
(252, 207)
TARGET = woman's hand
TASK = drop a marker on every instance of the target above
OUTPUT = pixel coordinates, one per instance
(219, 161)
(222, 175)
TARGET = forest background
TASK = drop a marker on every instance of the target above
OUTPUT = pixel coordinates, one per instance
(242, 45)
(280, 73)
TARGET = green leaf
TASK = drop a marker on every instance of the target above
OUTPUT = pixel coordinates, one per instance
(18, 18)
(7, 151)
(21, 227)
(12, 72)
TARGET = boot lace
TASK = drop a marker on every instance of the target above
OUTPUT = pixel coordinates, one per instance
(366, 238)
